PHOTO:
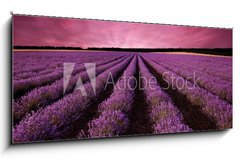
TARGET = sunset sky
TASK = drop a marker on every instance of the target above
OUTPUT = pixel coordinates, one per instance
(44, 31)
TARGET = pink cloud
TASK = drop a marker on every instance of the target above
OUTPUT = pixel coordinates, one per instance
(44, 31)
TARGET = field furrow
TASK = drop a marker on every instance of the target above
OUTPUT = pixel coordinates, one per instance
(213, 84)
(114, 111)
(45, 95)
(21, 87)
(209, 110)
(219, 67)
(50, 69)
(164, 115)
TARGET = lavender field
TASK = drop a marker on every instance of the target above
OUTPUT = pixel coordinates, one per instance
(129, 94)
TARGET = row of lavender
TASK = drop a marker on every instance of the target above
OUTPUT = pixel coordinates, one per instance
(210, 104)
(45, 95)
(213, 74)
(29, 64)
(37, 78)
(164, 115)
(50, 122)
(114, 111)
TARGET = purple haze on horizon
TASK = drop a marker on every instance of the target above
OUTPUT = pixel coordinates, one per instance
(45, 31)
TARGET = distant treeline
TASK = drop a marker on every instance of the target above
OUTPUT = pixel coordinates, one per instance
(212, 51)
(48, 47)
